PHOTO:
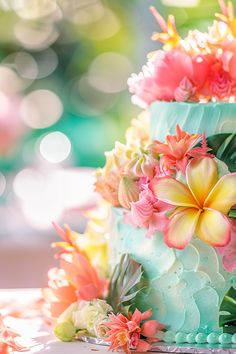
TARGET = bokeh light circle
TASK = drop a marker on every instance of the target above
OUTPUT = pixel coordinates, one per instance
(55, 147)
(41, 109)
(109, 71)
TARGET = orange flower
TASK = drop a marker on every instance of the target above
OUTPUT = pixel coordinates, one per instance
(75, 280)
(170, 37)
(201, 206)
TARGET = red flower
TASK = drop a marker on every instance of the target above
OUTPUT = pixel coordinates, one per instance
(126, 332)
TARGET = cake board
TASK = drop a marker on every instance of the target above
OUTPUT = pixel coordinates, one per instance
(176, 348)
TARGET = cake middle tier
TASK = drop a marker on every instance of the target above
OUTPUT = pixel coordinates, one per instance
(211, 118)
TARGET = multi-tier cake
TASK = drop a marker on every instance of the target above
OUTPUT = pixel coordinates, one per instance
(172, 187)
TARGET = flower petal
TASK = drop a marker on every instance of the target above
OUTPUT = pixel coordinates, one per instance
(150, 328)
(171, 191)
(201, 177)
(143, 346)
(223, 195)
(214, 228)
(181, 228)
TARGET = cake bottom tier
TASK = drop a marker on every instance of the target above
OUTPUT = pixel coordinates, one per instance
(185, 287)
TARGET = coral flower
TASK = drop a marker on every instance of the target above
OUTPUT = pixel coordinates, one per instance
(202, 204)
(59, 295)
(124, 332)
(179, 148)
(76, 280)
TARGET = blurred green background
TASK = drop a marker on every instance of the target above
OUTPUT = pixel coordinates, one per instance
(63, 93)
(64, 66)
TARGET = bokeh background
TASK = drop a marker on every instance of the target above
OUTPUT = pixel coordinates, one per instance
(64, 65)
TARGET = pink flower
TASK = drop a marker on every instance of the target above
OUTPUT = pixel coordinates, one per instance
(163, 74)
(148, 213)
(221, 85)
(179, 148)
(229, 251)
(185, 91)
(125, 332)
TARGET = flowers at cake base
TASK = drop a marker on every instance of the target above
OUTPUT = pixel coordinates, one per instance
(201, 206)
(76, 279)
(83, 318)
(132, 332)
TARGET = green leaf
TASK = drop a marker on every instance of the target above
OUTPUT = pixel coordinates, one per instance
(228, 306)
(126, 282)
(232, 213)
(223, 146)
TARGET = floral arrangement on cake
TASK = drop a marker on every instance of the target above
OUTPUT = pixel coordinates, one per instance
(198, 68)
(159, 187)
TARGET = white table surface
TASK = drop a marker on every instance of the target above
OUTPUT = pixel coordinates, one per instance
(38, 337)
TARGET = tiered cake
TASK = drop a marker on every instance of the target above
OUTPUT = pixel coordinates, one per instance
(172, 187)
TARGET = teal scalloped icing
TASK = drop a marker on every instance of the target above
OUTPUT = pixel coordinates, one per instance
(211, 118)
(185, 288)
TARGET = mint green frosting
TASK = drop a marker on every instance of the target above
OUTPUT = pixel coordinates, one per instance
(185, 287)
(211, 118)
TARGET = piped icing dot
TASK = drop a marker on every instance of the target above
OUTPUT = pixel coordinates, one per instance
(191, 338)
(201, 338)
(180, 337)
(169, 337)
(233, 339)
(213, 338)
(225, 338)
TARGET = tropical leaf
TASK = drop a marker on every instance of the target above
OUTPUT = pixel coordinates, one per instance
(228, 315)
(126, 282)
(223, 146)
(232, 213)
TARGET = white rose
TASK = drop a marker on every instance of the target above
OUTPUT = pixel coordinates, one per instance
(89, 314)
(67, 314)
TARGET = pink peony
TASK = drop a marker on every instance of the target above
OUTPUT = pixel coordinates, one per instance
(163, 74)
(148, 213)
(229, 251)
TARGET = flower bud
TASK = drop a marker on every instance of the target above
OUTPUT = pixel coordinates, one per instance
(128, 191)
(65, 331)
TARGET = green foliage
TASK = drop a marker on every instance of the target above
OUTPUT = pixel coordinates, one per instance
(228, 307)
(223, 146)
(126, 282)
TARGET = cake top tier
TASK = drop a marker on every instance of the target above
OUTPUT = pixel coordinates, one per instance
(198, 68)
